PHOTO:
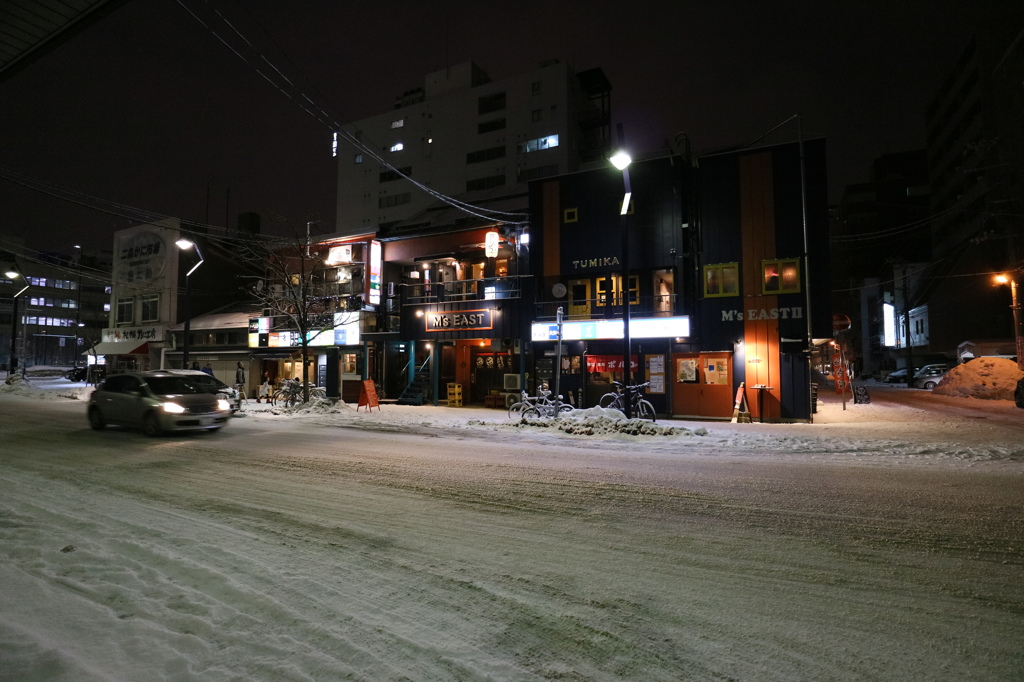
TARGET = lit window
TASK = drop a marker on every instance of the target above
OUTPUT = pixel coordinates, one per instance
(781, 276)
(334, 145)
(721, 279)
(359, 158)
(106, 307)
(545, 142)
(397, 147)
(609, 290)
(398, 123)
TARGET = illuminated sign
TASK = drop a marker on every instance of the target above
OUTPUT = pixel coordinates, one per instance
(889, 325)
(587, 330)
(375, 266)
(491, 245)
(339, 254)
(459, 320)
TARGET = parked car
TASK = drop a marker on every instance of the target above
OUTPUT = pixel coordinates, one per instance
(929, 370)
(929, 376)
(1018, 393)
(156, 401)
(80, 373)
(213, 385)
(898, 376)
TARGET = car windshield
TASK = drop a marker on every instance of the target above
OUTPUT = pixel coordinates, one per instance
(174, 385)
(207, 380)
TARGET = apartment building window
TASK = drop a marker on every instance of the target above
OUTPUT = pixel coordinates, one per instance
(486, 183)
(781, 276)
(150, 304)
(125, 310)
(491, 103)
(486, 154)
(490, 126)
(545, 142)
(570, 215)
(535, 87)
(396, 174)
(396, 147)
(394, 200)
(536, 115)
(358, 158)
(721, 279)
(398, 123)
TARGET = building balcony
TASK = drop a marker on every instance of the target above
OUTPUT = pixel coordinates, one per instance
(608, 307)
(429, 293)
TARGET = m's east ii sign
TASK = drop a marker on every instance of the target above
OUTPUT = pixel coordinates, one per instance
(459, 320)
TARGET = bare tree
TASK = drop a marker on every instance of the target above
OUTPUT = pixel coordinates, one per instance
(296, 291)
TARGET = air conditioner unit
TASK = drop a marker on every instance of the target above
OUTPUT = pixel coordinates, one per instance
(511, 382)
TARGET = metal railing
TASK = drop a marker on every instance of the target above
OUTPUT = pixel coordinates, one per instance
(607, 308)
(462, 290)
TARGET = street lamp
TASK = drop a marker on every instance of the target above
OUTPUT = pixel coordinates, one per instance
(186, 244)
(78, 307)
(13, 274)
(621, 161)
(1018, 332)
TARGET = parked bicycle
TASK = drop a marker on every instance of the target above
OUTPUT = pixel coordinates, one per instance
(290, 393)
(642, 409)
(541, 405)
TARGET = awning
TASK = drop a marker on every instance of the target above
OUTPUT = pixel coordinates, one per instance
(119, 348)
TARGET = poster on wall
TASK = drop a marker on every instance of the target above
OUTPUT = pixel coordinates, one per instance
(656, 373)
(686, 371)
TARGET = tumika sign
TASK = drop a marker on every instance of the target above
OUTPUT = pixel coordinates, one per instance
(459, 320)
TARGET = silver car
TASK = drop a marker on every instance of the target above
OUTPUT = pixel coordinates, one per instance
(213, 385)
(157, 402)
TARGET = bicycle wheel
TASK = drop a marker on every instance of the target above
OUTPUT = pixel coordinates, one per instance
(531, 412)
(565, 407)
(515, 410)
(277, 397)
(607, 399)
(643, 410)
(318, 393)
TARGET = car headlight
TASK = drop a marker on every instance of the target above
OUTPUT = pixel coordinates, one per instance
(223, 405)
(173, 408)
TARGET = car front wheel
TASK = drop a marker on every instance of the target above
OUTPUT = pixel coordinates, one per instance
(151, 425)
(96, 419)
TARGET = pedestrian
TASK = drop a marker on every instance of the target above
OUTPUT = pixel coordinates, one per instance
(240, 380)
(208, 369)
(264, 388)
(195, 367)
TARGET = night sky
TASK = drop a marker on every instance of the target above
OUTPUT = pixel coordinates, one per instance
(148, 108)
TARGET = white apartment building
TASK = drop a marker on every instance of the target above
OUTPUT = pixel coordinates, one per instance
(466, 136)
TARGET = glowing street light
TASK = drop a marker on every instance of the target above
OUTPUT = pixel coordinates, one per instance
(621, 160)
(185, 245)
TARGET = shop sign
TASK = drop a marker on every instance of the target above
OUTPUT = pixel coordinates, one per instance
(132, 334)
(458, 320)
(375, 270)
(140, 257)
(610, 363)
(639, 328)
(795, 313)
(591, 263)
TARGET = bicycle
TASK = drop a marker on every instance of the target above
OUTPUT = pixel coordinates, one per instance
(540, 406)
(290, 393)
(642, 409)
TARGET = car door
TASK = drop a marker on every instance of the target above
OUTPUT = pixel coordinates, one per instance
(132, 404)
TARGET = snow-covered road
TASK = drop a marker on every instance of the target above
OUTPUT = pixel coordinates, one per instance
(414, 546)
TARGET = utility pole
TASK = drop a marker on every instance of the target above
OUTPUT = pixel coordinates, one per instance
(906, 325)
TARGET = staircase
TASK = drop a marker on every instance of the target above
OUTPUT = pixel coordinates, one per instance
(415, 392)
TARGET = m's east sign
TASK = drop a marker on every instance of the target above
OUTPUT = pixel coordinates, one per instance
(459, 320)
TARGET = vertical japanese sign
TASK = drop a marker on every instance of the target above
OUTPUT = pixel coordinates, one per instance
(375, 266)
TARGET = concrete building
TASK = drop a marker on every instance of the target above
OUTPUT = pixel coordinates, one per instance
(463, 135)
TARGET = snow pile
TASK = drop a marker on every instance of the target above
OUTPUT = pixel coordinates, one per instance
(984, 378)
(52, 388)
